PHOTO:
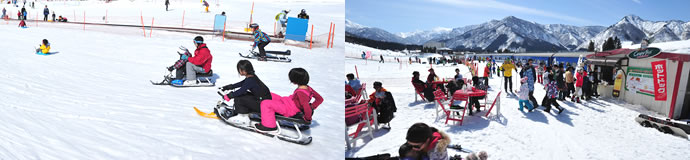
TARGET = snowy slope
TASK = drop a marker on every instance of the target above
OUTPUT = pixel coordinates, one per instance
(93, 99)
(321, 13)
(599, 129)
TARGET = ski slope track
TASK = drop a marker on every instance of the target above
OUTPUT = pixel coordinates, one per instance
(93, 99)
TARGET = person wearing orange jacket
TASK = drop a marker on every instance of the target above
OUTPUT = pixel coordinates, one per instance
(383, 102)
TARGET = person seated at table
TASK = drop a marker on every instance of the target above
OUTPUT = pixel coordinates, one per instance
(354, 83)
(430, 81)
(383, 102)
(475, 100)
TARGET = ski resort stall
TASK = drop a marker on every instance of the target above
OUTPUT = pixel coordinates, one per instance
(649, 77)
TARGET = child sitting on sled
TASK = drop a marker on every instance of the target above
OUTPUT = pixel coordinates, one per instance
(44, 47)
(288, 106)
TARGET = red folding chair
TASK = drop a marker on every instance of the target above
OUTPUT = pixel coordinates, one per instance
(418, 89)
(497, 99)
(362, 111)
(441, 97)
(356, 98)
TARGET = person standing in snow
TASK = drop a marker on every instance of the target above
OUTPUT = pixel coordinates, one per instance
(200, 62)
(381, 61)
(507, 68)
(4, 11)
(206, 5)
(528, 71)
(281, 18)
(551, 94)
(303, 14)
(579, 81)
(167, 3)
(247, 99)
(428, 141)
(261, 39)
(46, 12)
(23, 13)
(53, 16)
(299, 101)
(560, 81)
(570, 82)
(523, 95)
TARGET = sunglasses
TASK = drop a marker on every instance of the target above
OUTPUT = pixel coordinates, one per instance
(419, 146)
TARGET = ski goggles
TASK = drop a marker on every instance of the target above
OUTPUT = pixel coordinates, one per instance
(198, 42)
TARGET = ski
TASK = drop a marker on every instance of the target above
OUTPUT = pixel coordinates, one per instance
(256, 118)
(301, 139)
(459, 148)
(276, 56)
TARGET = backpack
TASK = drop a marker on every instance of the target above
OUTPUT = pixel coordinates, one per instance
(386, 108)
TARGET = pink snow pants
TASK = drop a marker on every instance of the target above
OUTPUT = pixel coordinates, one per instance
(277, 104)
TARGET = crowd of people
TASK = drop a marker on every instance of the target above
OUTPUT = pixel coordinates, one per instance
(559, 81)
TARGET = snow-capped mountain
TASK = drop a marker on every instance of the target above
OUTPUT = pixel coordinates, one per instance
(572, 36)
(633, 28)
(372, 33)
(512, 33)
(421, 37)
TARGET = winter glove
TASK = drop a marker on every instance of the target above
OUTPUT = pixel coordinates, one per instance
(225, 88)
(184, 57)
(225, 97)
(171, 68)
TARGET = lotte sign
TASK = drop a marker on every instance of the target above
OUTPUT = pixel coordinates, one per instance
(659, 72)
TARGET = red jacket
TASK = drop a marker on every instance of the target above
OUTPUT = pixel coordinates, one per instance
(579, 78)
(202, 57)
(302, 100)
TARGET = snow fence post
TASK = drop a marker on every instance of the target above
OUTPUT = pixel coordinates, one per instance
(330, 29)
(106, 15)
(332, 40)
(251, 14)
(183, 12)
(142, 22)
(356, 72)
(151, 32)
(311, 38)
(224, 24)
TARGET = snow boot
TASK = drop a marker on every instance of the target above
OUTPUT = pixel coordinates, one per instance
(225, 113)
(190, 82)
(560, 110)
(240, 120)
(263, 129)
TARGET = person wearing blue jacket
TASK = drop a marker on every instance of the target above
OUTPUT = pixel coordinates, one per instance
(46, 12)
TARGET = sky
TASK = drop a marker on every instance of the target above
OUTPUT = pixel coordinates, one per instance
(413, 15)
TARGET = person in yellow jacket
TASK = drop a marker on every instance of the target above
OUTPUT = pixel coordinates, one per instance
(507, 68)
(45, 47)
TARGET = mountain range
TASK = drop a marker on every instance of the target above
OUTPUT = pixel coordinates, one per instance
(512, 33)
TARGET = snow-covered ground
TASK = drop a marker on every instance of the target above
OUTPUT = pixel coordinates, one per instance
(355, 51)
(93, 99)
(597, 129)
